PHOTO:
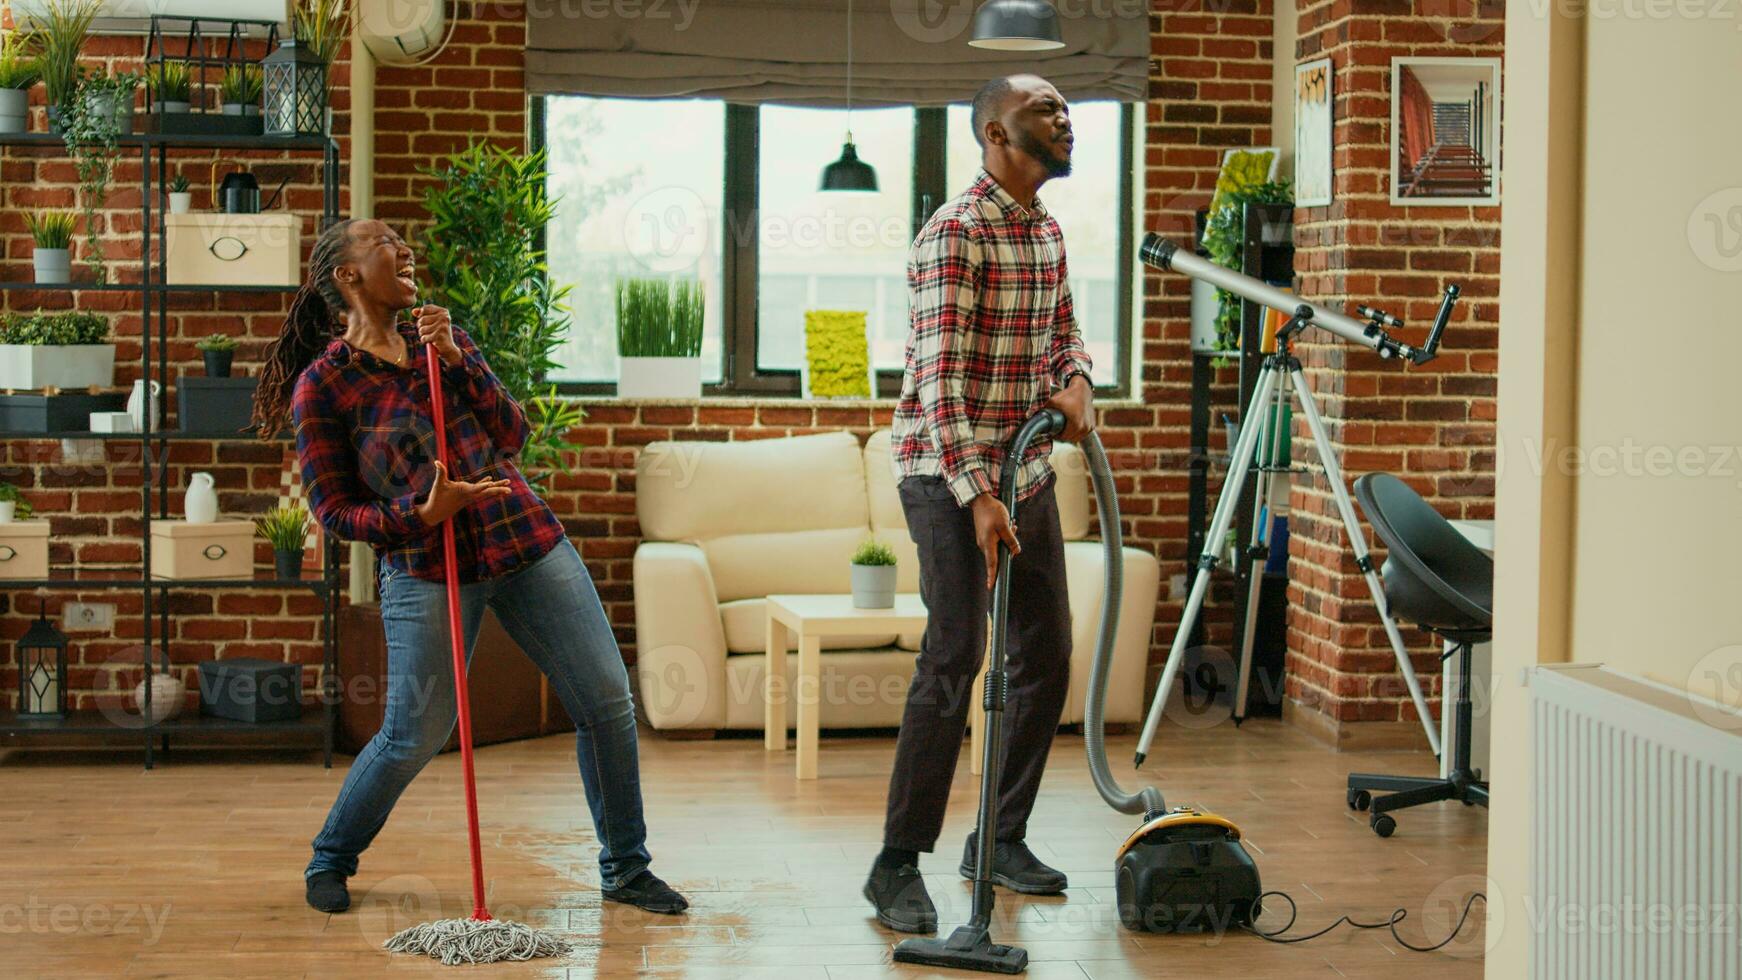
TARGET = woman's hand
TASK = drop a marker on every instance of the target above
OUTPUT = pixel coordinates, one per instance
(436, 328)
(449, 497)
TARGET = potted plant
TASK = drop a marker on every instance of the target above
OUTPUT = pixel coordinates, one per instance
(107, 99)
(241, 90)
(181, 200)
(13, 506)
(62, 26)
(659, 338)
(1224, 237)
(168, 83)
(873, 575)
(56, 350)
(218, 349)
(19, 70)
(52, 232)
(100, 112)
(287, 527)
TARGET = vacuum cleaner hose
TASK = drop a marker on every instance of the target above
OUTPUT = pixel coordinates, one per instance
(1147, 801)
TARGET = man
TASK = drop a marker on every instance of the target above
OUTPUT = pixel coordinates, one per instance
(993, 340)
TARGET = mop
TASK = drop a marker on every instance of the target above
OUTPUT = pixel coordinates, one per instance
(479, 938)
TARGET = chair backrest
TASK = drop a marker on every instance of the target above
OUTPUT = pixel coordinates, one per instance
(1433, 575)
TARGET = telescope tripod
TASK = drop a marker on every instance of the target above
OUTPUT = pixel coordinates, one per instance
(1277, 377)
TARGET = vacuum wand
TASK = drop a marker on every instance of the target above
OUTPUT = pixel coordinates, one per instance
(1162, 254)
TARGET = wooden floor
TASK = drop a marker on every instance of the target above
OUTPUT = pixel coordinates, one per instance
(195, 868)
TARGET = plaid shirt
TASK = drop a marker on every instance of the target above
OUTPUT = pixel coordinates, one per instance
(993, 337)
(366, 444)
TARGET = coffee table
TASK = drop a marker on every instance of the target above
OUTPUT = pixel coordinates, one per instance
(810, 618)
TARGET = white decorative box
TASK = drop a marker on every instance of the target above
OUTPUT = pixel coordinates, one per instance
(221, 549)
(216, 249)
(111, 422)
(23, 549)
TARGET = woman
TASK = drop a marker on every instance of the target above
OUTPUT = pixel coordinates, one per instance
(353, 378)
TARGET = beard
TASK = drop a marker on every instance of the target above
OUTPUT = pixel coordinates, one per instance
(1056, 165)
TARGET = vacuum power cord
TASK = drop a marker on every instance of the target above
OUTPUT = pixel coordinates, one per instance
(1398, 915)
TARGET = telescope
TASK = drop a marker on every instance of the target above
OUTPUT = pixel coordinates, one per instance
(1162, 254)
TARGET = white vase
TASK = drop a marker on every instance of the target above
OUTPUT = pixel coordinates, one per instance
(166, 697)
(200, 504)
(137, 403)
(180, 202)
(14, 110)
(53, 265)
(8, 510)
(659, 377)
(873, 586)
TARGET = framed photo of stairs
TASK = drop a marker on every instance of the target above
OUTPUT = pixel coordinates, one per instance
(1445, 131)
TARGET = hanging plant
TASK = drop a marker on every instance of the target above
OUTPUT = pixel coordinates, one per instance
(1224, 236)
(92, 121)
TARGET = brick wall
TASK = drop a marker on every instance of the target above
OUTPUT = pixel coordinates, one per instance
(1432, 425)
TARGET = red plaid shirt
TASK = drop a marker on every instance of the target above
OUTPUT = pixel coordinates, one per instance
(366, 444)
(993, 337)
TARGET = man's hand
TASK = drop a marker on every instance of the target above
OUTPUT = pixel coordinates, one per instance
(1077, 402)
(991, 525)
(436, 328)
(447, 498)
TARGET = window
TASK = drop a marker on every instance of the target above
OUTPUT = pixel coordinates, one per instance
(727, 193)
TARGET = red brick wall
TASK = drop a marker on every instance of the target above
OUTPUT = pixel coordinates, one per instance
(1432, 425)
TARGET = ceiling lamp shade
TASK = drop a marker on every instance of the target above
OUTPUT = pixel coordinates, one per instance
(1017, 25)
(849, 173)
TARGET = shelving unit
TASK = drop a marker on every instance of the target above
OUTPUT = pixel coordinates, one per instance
(153, 153)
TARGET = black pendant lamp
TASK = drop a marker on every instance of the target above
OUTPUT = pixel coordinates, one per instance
(849, 173)
(1017, 25)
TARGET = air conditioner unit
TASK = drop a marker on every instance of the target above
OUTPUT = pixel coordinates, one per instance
(134, 16)
(398, 32)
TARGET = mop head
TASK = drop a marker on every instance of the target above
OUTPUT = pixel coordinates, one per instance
(457, 941)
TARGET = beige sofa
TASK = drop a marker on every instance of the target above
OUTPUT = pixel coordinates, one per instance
(726, 524)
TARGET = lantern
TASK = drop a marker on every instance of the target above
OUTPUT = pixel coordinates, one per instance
(294, 82)
(42, 671)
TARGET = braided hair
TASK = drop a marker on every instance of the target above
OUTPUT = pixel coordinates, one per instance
(308, 328)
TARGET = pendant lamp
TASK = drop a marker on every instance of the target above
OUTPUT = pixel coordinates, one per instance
(1017, 25)
(849, 173)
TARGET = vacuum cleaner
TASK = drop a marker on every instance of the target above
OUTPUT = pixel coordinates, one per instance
(1182, 869)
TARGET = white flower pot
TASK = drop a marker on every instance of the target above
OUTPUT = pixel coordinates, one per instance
(69, 366)
(8, 511)
(53, 265)
(180, 202)
(873, 586)
(14, 110)
(659, 377)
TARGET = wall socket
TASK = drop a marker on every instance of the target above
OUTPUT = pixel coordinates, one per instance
(1176, 587)
(89, 616)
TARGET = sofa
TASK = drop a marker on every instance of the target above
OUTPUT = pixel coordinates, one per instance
(725, 524)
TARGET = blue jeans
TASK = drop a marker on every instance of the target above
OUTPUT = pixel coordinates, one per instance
(552, 611)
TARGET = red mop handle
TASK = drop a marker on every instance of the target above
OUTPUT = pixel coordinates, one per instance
(452, 568)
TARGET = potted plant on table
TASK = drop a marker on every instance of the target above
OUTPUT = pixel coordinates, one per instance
(218, 350)
(181, 200)
(873, 575)
(62, 26)
(287, 527)
(19, 70)
(56, 350)
(168, 83)
(659, 338)
(13, 506)
(241, 90)
(52, 233)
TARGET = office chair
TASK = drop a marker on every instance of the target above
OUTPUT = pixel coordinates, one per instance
(1437, 579)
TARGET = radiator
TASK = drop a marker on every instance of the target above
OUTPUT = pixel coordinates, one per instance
(1636, 845)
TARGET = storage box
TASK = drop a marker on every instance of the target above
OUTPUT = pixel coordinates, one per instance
(67, 412)
(221, 549)
(215, 406)
(250, 689)
(24, 550)
(215, 249)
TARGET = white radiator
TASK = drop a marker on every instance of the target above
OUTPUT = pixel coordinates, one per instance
(1636, 848)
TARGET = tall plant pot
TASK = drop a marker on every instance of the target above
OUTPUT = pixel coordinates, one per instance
(14, 110)
(659, 377)
(873, 586)
(218, 362)
(53, 265)
(120, 107)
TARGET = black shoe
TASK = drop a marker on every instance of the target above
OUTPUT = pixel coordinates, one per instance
(1015, 867)
(326, 891)
(898, 894)
(647, 891)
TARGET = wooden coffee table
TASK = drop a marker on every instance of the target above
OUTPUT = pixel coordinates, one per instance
(810, 618)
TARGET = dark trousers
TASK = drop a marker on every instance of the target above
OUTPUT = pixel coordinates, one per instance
(952, 581)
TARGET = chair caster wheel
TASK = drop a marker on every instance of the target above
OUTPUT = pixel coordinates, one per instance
(1359, 799)
(1383, 825)
(1468, 802)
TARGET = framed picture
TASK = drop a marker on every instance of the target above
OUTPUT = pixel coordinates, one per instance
(1243, 168)
(1312, 133)
(1445, 131)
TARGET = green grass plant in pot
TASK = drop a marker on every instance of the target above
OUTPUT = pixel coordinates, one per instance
(52, 234)
(13, 506)
(240, 90)
(62, 27)
(286, 527)
(20, 69)
(168, 83)
(873, 575)
(659, 338)
(181, 200)
(218, 349)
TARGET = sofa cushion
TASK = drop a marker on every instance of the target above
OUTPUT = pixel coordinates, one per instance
(746, 625)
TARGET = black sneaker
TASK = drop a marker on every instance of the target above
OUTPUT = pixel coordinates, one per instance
(1015, 867)
(646, 891)
(326, 891)
(898, 894)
